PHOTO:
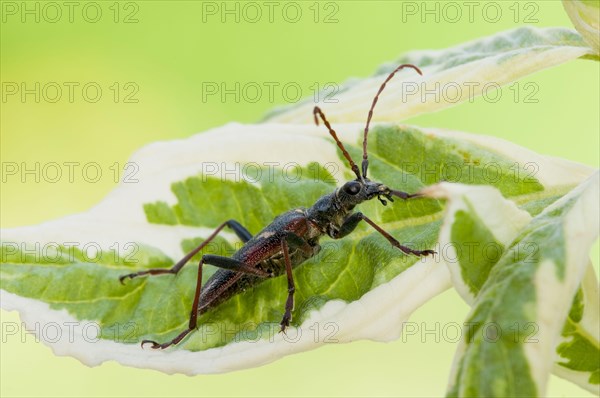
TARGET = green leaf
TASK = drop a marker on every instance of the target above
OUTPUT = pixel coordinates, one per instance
(456, 75)
(357, 288)
(519, 310)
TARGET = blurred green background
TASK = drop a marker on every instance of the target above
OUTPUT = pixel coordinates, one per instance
(159, 54)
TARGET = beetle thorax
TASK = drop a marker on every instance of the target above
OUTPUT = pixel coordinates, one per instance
(330, 211)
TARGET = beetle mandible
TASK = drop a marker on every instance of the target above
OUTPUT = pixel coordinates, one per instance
(292, 237)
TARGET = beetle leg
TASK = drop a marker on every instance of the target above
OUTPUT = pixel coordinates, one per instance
(403, 195)
(239, 230)
(193, 317)
(289, 304)
(218, 261)
(348, 226)
(389, 237)
(233, 265)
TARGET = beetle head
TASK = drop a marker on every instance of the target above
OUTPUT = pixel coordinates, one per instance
(357, 191)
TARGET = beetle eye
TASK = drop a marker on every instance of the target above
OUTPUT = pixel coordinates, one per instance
(352, 187)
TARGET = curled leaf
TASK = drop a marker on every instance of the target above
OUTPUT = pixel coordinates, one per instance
(450, 76)
(585, 15)
(518, 290)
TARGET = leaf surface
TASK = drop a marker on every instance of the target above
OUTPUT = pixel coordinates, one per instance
(357, 288)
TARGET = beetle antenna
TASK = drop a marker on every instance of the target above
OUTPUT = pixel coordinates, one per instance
(317, 112)
(365, 162)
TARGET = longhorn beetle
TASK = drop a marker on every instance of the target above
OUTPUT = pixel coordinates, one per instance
(292, 237)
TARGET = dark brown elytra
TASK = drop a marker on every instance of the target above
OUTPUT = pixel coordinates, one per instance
(292, 237)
